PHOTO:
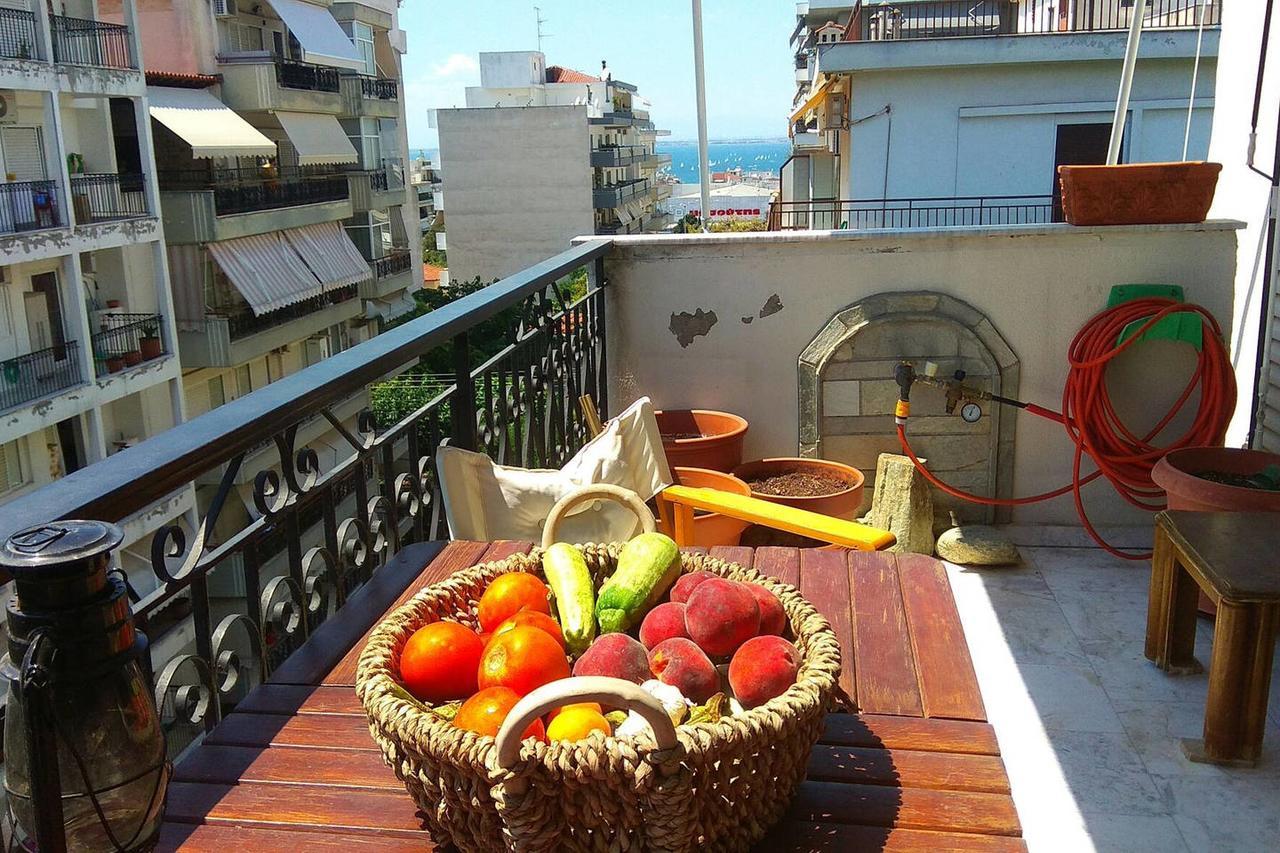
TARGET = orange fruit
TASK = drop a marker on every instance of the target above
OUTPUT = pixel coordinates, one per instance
(576, 723)
(484, 712)
(594, 706)
(534, 619)
(522, 658)
(508, 594)
(439, 662)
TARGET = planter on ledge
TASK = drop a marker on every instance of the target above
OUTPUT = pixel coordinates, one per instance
(701, 438)
(132, 358)
(712, 528)
(150, 346)
(840, 504)
(1138, 193)
(1180, 475)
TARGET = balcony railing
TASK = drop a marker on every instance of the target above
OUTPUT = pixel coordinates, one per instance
(18, 35)
(126, 340)
(338, 526)
(388, 265)
(393, 169)
(29, 206)
(249, 190)
(379, 88)
(241, 323)
(42, 373)
(78, 41)
(606, 197)
(291, 74)
(105, 197)
(607, 156)
(832, 214)
(884, 20)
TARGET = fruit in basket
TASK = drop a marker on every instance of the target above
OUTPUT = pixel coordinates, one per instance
(617, 656)
(575, 594)
(507, 595)
(523, 658)
(484, 712)
(532, 619)
(577, 723)
(721, 615)
(680, 663)
(663, 622)
(773, 619)
(439, 662)
(595, 706)
(763, 668)
(647, 567)
(686, 584)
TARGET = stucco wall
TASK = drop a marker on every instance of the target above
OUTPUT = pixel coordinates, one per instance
(519, 185)
(1037, 284)
(991, 130)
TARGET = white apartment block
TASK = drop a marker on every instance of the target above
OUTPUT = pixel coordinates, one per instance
(88, 364)
(542, 154)
(937, 112)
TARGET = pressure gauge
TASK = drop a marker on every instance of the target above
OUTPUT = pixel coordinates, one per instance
(971, 413)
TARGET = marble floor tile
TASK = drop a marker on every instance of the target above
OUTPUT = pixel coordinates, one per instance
(1156, 730)
(1067, 698)
(1225, 815)
(1126, 673)
(1105, 774)
(1029, 624)
(1128, 833)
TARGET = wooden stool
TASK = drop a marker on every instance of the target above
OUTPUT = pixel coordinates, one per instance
(1234, 557)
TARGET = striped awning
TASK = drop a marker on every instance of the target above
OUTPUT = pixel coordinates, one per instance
(266, 270)
(329, 253)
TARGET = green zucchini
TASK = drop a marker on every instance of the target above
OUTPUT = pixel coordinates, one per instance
(647, 567)
(570, 582)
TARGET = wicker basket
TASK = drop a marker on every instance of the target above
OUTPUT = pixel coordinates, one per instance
(713, 786)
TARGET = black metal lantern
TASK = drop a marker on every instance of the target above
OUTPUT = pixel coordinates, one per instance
(85, 756)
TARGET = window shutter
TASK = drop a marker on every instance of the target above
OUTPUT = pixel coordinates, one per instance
(10, 467)
(23, 153)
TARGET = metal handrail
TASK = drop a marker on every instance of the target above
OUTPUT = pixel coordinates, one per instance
(82, 41)
(39, 374)
(917, 212)
(137, 477)
(19, 35)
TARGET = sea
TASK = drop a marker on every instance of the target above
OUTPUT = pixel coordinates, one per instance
(752, 155)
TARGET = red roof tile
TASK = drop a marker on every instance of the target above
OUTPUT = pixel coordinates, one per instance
(182, 81)
(431, 274)
(560, 74)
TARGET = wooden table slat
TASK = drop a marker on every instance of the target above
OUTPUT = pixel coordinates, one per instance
(355, 768)
(911, 808)
(734, 554)
(908, 769)
(301, 699)
(780, 563)
(882, 650)
(948, 683)
(824, 581)
(889, 732)
(806, 837)
(337, 731)
(227, 838)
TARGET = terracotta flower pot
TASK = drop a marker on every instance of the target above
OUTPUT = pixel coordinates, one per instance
(1138, 193)
(150, 346)
(841, 504)
(132, 357)
(711, 439)
(115, 364)
(1177, 473)
(712, 528)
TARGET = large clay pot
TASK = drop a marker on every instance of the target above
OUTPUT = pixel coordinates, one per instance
(717, 444)
(1138, 193)
(842, 504)
(1177, 474)
(712, 528)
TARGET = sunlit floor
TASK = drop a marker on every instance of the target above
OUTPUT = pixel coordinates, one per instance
(1089, 729)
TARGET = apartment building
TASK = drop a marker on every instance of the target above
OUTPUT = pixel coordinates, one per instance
(428, 183)
(542, 154)
(87, 336)
(938, 112)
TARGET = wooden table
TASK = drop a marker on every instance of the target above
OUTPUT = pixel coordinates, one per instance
(917, 768)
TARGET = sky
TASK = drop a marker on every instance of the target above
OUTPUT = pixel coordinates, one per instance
(649, 43)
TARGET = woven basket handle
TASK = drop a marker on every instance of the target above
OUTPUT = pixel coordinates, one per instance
(611, 692)
(595, 491)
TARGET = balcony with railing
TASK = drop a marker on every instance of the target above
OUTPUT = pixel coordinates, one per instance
(291, 74)
(247, 190)
(391, 264)
(889, 20)
(258, 81)
(29, 206)
(20, 35)
(126, 340)
(108, 197)
(616, 194)
(377, 188)
(611, 156)
(942, 212)
(38, 375)
(79, 41)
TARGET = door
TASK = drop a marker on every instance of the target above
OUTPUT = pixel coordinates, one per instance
(44, 315)
(1078, 145)
(124, 135)
(69, 440)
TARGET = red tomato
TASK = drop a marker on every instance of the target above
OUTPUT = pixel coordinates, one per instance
(440, 660)
(532, 619)
(484, 712)
(508, 594)
(523, 658)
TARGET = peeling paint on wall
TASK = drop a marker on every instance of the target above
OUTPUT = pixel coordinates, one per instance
(686, 326)
(772, 306)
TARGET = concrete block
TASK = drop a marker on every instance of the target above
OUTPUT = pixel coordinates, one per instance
(840, 398)
(898, 339)
(861, 425)
(902, 504)
(860, 451)
(862, 369)
(954, 452)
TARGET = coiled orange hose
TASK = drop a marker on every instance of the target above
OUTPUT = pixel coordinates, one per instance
(1096, 431)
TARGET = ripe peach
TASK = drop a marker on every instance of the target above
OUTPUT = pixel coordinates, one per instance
(720, 616)
(773, 619)
(686, 584)
(662, 623)
(615, 655)
(680, 663)
(763, 668)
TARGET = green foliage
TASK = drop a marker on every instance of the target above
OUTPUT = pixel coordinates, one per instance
(430, 253)
(395, 399)
(737, 225)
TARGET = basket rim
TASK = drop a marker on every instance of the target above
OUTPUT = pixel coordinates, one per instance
(403, 720)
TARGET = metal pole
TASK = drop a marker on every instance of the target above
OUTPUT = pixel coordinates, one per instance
(1195, 75)
(1126, 81)
(700, 83)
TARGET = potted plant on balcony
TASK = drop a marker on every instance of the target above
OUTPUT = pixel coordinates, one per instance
(818, 485)
(1138, 193)
(115, 363)
(132, 357)
(701, 438)
(149, 343)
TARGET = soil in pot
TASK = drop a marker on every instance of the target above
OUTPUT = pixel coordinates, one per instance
(798, 484)
(1266, 481)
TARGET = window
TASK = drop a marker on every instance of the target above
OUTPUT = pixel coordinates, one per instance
(244, 380)
(361, 36)
(235, 37)
(12, 470)
(367, 140)
(217, 393)
(23, 153)
(275, 367)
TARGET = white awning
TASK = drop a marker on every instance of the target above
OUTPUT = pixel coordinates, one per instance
(388, 310)
(210, 127)
(329, 253)
(323, 41)
(266, 270)
(318, 138)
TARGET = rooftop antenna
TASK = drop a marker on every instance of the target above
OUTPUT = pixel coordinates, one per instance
(537, 16)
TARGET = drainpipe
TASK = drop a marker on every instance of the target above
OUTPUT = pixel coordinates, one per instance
(1126, 81)
(700, 83)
